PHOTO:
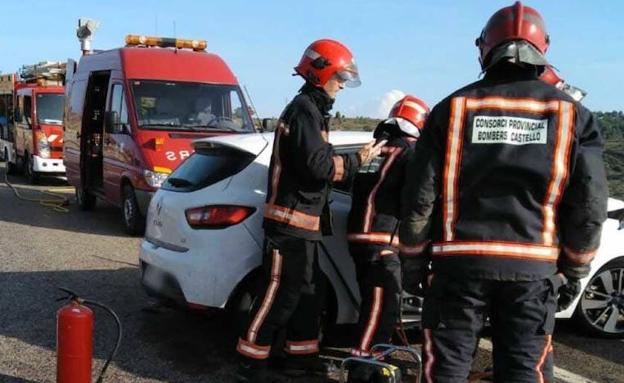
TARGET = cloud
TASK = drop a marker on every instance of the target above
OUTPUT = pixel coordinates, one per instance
(386, 102)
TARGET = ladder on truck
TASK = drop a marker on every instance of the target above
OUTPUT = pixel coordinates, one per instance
(44, 73)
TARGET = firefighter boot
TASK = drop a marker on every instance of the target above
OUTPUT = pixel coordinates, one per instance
(302, 365)
(255, 373)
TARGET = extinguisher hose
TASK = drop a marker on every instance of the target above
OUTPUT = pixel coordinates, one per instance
(100, 378)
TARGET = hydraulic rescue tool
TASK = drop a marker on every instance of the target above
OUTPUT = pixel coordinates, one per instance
(74, 339)
(384, 372)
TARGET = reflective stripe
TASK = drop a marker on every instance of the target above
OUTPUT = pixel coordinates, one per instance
(559, 171)
(580, 258)
(542, 359)
(302, 347)
(414, 105)
(269, 296)
(339, 168)
(501, 249)
(370, 201)
(292, 217)
(252, 350)
(428, 349)
(452, 162)
(374, 238)
(373, 319)
(413, 249)
(529, 105)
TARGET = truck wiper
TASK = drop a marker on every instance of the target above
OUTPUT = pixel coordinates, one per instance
(179, 182)
(204, 127)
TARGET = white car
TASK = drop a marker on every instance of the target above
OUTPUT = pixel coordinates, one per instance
(204, 237)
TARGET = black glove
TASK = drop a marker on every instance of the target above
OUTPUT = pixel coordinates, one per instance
(414, 272)
(568, 293)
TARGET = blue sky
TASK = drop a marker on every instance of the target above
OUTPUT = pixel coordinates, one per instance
(421, 47)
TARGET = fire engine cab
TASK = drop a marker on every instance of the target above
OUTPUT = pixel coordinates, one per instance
(31, 119)
(132, 113)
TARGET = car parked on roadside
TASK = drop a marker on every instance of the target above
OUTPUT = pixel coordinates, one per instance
(204, 237)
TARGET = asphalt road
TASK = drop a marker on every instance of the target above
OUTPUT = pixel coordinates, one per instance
(41, 249)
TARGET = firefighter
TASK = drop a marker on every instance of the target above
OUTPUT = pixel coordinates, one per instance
(296, 216)
(372, 228)
(506, 195)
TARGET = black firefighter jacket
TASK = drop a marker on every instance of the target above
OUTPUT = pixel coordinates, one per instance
(376, 194)
(507, 182)
(303, 168)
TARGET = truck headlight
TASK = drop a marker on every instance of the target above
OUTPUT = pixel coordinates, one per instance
(154, 179)
(43, 145)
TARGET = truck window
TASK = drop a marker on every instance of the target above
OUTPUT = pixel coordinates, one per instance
(50, 108)
(118, 104)
(176, 105)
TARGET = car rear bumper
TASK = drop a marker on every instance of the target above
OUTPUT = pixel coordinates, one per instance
(48, 165)
(203, 276)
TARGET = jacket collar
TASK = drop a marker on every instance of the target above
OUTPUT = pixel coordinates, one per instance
(318, 96)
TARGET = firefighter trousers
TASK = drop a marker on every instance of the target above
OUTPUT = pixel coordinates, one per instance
(522, 316)
(378, 272)
(290, 297)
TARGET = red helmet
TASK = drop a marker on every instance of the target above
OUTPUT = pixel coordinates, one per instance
(410, 114)
(516, 22)
(550, 76)
(326, 58)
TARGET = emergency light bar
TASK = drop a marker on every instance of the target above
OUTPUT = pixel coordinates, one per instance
(165, 42)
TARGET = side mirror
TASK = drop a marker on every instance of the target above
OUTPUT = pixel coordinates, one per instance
(269, 124)
(111, 122)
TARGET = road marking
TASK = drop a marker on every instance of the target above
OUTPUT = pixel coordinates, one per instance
(560, 374)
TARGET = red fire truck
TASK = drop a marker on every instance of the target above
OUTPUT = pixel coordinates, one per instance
(31, 119)
(132, 113)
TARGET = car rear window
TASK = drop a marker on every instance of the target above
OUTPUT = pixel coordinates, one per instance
(207, 166)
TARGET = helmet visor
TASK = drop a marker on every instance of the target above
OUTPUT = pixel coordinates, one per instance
(349, 75)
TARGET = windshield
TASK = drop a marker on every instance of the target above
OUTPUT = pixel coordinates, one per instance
(50, 108)
(190, 106)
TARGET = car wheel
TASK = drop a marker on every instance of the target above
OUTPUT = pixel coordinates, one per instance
(31, 174)
(84, 199)
(601, 307)
(134, 221)
(240, 304)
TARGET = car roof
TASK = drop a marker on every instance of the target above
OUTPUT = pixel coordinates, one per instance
(255, 142)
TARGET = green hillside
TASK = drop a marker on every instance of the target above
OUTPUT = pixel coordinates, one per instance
(611, 123)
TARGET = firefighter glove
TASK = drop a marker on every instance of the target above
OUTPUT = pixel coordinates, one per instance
(568, 293)
(414, 272)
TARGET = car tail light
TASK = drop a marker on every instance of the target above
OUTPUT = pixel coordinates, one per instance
(217, 216)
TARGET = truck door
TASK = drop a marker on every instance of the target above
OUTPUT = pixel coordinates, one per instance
(91, 140)
(117, 141)
(23, 126)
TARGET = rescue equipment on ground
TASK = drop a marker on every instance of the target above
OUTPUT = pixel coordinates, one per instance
(385, 372)
(58, 203)
(74, 339)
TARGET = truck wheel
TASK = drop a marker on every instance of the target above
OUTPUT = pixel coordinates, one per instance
(134, 221)
(85, 200)
(31, 174)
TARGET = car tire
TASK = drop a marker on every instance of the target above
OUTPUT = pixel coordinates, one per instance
(31, 175)
(134, 221)
(600, 310)
(239, 305)
(85, 200)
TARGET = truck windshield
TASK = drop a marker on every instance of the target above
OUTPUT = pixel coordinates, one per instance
(174, 105)
(50, 108)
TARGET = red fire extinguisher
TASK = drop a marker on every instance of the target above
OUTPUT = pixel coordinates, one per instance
(74, 339)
